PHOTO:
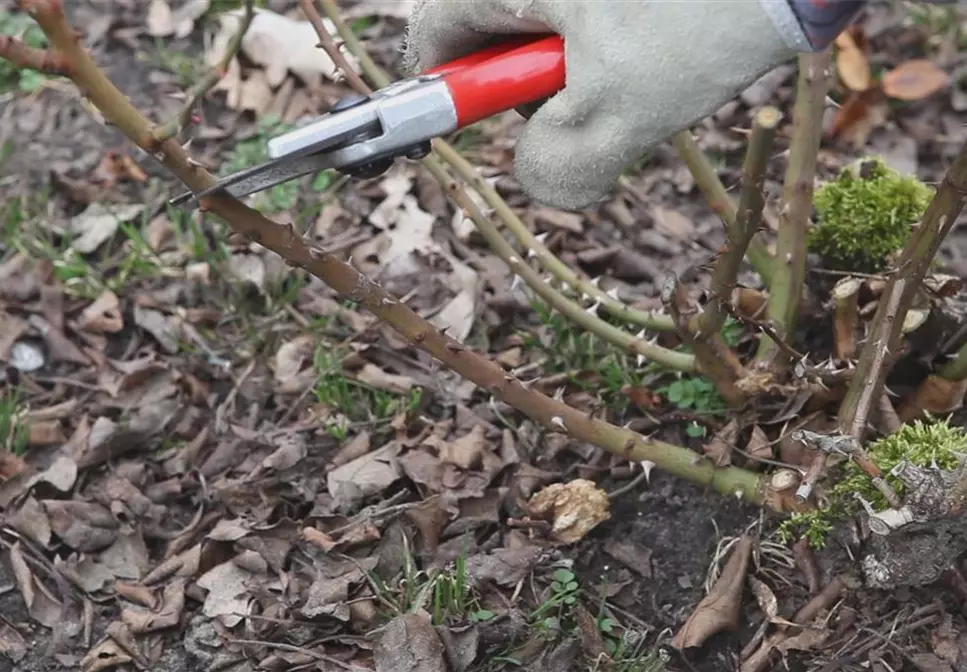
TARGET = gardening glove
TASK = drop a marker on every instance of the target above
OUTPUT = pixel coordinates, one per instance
(637, 72)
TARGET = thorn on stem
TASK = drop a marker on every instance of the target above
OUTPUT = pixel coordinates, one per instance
(558, 421)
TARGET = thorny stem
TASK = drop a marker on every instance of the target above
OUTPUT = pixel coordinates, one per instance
(366, 62)
(677, 361)
(789, 267)
(547, 259)
(328, 44)
(719, 200)
(716, 360)
(177, 123)
(885, 333)
(287, 243)
(25, 56)
(748, 217)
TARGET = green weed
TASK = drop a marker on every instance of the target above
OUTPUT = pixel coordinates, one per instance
(21, 26)
(14, 431)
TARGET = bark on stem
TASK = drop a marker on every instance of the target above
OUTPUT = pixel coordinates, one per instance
(287, 243)
(747, 220)
(885, 333)
(719, 200)
(177, 123)
(789, 268)
(24, 56)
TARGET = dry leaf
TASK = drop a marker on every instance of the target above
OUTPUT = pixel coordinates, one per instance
(46, 433)
(935, 395)
(42, 606)
(158, 325)
(721, 608)
(163, 22)
(83, 526)
(107, 655)
(255, 94)
(172, 605)
(410, 643)
(759, 447)
(97, 223)
(852, 64)
(914, 80)
(376, 377)
(351, 450)
(248, 268)
(466, 451)
(719, 449)
(280, 45)
(575, 508)
(768, 602)
(364, 476)
(289, 361)
(103, 315)
(673, 223)
(228, 587)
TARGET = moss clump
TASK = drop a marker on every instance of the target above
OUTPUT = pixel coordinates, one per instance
(919, 443)
(866, 214)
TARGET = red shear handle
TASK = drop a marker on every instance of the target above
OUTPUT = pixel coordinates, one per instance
(503, 77)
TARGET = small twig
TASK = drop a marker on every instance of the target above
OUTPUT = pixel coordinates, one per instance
(292, 648)
(789, 267)
(48, 61)
(177, 123)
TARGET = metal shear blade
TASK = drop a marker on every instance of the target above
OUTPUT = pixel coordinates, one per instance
(276, 171)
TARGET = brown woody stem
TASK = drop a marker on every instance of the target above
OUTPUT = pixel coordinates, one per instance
(177, 123)
(747, 220)
(24, 56)
(789, 267)
(884, 338)
(287, 243)
(719, 200)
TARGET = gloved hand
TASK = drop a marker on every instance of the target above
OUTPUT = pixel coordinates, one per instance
(637, 72)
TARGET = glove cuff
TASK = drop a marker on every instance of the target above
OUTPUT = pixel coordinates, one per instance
(786, 22)
(810, 25)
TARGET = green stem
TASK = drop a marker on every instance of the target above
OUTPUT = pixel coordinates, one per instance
(719, 200)
(748, 217)
(789, 268)
(677, 361)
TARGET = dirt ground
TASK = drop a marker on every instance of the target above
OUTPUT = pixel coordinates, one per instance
(227, 467)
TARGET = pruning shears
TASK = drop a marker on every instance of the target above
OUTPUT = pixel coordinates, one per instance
(362, 135)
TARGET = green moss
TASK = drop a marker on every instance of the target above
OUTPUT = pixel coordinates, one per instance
(866, 214)
(920, 443)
